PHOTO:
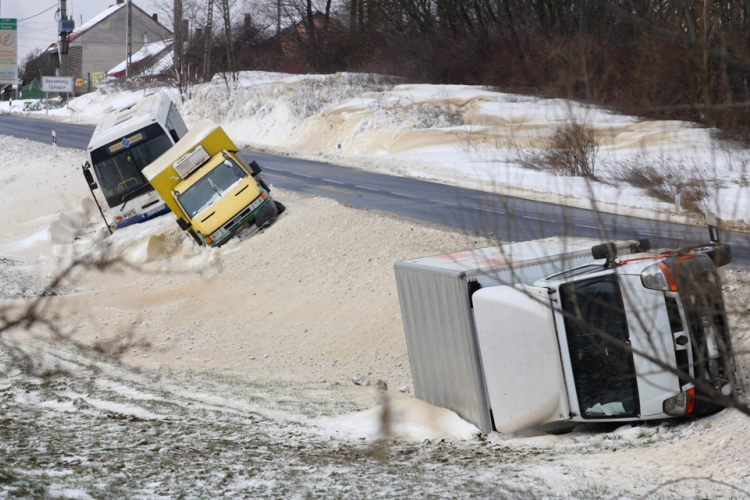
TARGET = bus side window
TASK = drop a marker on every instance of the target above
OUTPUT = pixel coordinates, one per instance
(175, 125)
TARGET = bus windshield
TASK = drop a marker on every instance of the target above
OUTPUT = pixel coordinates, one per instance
(603, 368)
(118, 165)
(211, 187)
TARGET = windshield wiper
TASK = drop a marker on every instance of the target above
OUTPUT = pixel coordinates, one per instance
(216, 188)
(144, 188)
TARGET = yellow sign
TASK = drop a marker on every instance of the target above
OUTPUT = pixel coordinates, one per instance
(96, 77)
(79, 82)
(125, 143)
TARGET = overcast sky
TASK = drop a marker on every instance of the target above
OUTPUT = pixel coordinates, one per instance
(40, 31)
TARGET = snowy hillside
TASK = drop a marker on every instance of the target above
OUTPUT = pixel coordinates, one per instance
(197, 373)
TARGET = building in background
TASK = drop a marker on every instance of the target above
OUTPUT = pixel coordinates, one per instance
(99, 45)
(154, 60)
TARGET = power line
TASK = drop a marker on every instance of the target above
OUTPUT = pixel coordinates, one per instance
(36, 30)
(35, 15)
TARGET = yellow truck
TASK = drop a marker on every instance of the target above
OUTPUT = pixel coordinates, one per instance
(212, 190)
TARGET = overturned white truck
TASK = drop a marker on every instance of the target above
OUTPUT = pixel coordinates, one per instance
(553, 332)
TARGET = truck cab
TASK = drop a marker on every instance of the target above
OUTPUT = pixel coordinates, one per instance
(210, 187)
(639, 338)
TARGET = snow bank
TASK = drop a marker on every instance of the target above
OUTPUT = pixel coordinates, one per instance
(405, 420)
(64, 236)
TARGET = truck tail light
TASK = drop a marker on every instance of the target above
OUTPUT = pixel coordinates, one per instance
(658, 277)
(681, 405)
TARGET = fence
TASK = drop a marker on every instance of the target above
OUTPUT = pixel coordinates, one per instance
(34, 91)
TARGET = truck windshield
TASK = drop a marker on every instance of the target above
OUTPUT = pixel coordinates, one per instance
(603, 371)
(118, 165)
(211, 187)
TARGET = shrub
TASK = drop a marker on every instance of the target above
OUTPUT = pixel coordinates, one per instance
(572, 150)
(428, 115)
(661, 182)
(39, 105)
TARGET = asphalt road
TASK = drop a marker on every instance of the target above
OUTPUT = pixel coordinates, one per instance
(508, 218)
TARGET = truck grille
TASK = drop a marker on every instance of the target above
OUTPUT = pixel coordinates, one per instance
(244, 213)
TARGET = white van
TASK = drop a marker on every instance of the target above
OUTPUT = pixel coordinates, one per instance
(562, 331)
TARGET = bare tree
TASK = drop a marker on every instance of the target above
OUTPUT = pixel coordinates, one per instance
(178, 46)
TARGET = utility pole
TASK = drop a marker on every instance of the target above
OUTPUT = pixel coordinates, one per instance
(178, 45)
(207, 34)
(128, 37)
(228, 34)
(65, 28)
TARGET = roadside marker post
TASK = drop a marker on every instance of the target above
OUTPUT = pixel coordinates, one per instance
(54, 143)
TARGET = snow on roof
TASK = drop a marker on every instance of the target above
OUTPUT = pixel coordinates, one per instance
(94, 21)
(163, 65)
(91, 23)
(143, 56)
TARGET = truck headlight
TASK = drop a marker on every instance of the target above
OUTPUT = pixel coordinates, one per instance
(680, 405)
(658, 277)
(126, 215)
(218, 234)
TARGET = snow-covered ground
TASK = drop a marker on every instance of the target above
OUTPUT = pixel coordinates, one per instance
(232, 368)
(471, 136)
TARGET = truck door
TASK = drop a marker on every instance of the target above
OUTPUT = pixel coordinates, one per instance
(593, 332)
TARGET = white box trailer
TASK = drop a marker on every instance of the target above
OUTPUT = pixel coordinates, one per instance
(505, 364)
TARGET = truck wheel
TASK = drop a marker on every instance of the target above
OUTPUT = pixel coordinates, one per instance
(195, 237)
(280, 207)
(720, 253)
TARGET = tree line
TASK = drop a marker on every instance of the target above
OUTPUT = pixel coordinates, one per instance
(672, 59)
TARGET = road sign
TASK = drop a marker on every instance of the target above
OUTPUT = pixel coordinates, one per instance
(57, 84)
(8, 52)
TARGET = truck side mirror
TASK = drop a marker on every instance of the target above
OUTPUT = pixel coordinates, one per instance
(183, 225)
(713, 227)
(605, 251)
(235, 168)
(642, 245)
(89, 176)
(256, 168)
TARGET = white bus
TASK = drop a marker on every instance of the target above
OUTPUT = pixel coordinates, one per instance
(126, 141)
